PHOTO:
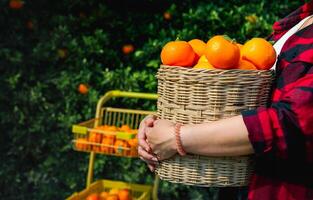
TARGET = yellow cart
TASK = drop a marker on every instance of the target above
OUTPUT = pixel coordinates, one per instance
(103, 135)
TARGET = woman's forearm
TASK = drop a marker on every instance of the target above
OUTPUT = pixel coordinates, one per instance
(226, 137)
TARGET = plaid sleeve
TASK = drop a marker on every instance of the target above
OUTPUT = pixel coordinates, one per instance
(286, 127)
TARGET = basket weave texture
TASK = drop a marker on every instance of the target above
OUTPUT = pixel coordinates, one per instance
(192, 96)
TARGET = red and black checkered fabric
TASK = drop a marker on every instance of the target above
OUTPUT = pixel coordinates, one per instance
(282, 132)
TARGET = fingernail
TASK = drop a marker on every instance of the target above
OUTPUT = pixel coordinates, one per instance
(152, 169)
(154, 159)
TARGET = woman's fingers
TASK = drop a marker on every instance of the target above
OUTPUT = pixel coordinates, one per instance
(149, 162)
(141, 131)
(144, 148)
(155, 122)
(150, 121)
(142, 138)
(143, 124)
(148, 131)
(143, 144)
(146, 156)
(147, 122)
(151, 167)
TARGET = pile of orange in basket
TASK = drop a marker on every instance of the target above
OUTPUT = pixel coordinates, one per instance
(220, 52)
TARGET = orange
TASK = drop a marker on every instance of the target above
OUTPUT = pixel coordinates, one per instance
(104, 195)
(202, 59)
(93, 196)
(167, 16)
(222, 53)
(134, 131)
(107, 141)
(95, 137)
(82, 88)
(203, 65)
(16, 4)
(240, 47)
(81, 144)
(133, 143)
(128, 48)
(259, 52)
(113, 191)
(103, 127)
(112, 128)
(124, 194)
(125, 128)
(112, 197)
(178, 53)
(246, 65)
(119, 146)
(198, 47)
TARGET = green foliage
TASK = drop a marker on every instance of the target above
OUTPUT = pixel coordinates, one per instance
(48, 48)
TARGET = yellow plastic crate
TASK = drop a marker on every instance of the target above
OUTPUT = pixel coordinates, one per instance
(89, 136)
(139, 192)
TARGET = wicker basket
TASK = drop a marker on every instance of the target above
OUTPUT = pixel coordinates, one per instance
(200, 95)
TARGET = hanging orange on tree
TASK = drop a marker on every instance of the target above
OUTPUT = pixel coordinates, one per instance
(167, 15)
(128, 48)
(16, 4)
(82, 88)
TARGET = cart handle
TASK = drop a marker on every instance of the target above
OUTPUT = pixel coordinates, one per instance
(117, 93)
(139, 95)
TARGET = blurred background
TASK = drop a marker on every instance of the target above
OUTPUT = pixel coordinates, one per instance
(49, 48)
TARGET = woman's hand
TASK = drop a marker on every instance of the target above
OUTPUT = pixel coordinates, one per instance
(144, 149)
(161, 139)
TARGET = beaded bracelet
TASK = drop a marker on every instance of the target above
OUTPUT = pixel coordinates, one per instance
(179, 145)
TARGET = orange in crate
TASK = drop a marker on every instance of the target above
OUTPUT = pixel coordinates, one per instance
(93, 196)
(81, 144)
(111, 128)
(133, 143)
(107, 143)
(119, 147)
(112, 197)
(113, 191)
(104, 195)
(95, 137)
(124, 194)
(125, 128)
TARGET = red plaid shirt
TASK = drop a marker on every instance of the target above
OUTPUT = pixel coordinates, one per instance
(282, 132)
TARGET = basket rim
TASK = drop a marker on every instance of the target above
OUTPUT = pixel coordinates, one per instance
(197, 69)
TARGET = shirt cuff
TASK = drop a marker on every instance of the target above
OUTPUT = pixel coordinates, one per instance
(260, 131)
